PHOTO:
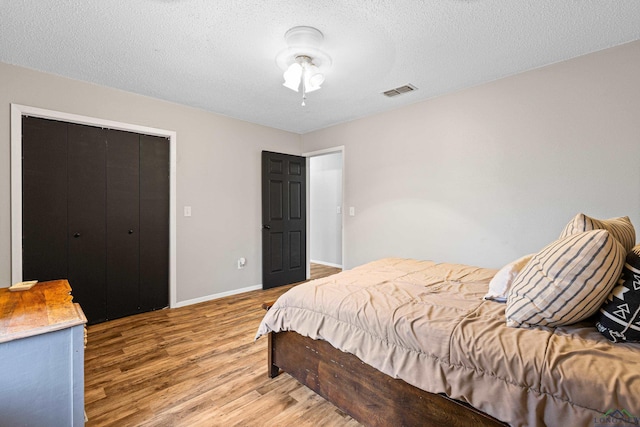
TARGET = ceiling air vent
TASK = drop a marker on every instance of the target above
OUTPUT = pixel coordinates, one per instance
(399, 90)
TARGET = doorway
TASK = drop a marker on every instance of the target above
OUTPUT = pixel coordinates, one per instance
(325, 207)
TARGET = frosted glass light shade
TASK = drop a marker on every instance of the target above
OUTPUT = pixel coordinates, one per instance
(303, 72)
(293, 76)
(313, 78)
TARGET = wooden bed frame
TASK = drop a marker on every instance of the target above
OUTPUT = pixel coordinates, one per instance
(363, 392)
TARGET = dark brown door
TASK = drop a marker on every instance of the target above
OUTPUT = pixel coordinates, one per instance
(154, 222)
(96, 211)
(123, 223)
(44, 207)
(86, 213)
(284, 258)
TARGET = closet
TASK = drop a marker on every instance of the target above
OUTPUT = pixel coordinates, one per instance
(95, 211)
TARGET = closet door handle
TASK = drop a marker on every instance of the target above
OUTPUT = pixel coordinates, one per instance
(76, 235)
(130, 231)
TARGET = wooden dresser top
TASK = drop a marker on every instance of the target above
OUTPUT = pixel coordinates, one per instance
(46, 307)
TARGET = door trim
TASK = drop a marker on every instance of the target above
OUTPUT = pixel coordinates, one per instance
(308, 155)
(17, 111)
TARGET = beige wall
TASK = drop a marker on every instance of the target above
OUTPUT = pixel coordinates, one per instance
(490, 173)
(218, 175)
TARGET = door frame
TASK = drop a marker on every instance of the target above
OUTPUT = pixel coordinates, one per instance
(308, 155)
(17, 111)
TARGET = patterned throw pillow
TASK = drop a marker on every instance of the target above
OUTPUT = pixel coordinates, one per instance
(567, 281)
(619, 316)
(620, 228)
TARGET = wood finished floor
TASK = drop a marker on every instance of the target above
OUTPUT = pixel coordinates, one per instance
(196, 366)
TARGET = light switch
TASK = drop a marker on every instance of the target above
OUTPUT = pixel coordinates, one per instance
(352, 211)
(187, 211)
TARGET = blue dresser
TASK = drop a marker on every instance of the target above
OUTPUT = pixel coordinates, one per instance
(42, 339)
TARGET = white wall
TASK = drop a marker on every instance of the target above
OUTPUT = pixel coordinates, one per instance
(218, 175)
(325, 194)
(493, 172)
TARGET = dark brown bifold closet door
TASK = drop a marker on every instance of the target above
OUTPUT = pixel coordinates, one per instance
(44, 199)
(154, 222)
(96, 211)
(123, 223)
(87, 219)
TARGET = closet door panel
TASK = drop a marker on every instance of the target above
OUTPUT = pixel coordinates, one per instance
(154, 222)
(44, 199)
(123, 224)
(86, 219)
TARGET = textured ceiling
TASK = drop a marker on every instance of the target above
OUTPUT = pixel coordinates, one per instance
(220, 55)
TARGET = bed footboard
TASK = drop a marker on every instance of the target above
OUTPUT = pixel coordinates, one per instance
(363, 392)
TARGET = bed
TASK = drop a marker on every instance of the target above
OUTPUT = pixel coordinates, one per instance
(409, 342)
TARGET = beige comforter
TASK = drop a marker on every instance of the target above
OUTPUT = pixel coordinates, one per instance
(427, 324)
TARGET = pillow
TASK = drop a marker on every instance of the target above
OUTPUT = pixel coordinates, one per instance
(501, 282)
(619, 316)
(620, 228)
(567, 281)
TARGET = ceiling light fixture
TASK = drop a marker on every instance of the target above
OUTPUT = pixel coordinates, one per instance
(303, 61)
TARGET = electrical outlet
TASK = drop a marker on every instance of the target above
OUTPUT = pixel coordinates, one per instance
(242, 263)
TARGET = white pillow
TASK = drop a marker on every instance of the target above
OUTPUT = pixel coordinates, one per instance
(501, 282)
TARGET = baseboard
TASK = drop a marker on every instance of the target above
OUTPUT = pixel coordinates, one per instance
(217, 296)
(238, 291)
(328, 264)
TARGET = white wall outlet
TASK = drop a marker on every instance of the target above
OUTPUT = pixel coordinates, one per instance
(352, 211)
(187, 211)
(339, 210)
(242, 263)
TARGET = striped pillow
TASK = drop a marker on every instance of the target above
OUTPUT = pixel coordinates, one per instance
(619, 316)
(567, 281)
(620, 228)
